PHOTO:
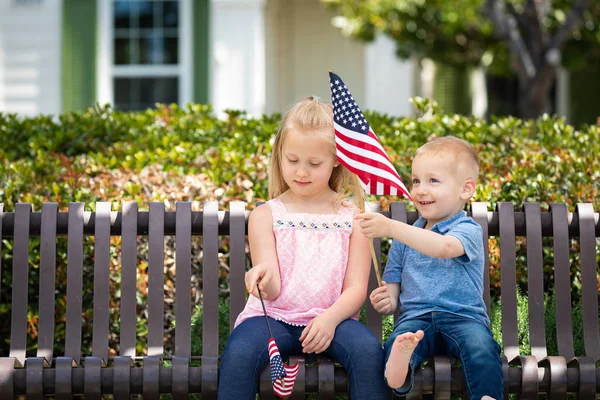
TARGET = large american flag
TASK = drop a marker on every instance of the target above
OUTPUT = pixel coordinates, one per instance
(358, 148)
(282, 376)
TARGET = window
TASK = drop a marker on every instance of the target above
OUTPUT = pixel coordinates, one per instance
(147, 53)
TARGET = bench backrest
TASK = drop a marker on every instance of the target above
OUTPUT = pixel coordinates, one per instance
(185, 225)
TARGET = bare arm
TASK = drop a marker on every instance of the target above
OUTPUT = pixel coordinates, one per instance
(265, 270)
(422, 240)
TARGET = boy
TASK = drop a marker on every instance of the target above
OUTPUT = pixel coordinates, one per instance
(439, 262)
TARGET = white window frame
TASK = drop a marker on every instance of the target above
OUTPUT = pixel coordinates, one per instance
(107, 71)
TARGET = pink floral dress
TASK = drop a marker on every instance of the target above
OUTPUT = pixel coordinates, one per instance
(312, 250)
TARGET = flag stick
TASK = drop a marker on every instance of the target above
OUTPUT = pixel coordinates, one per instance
(268, 326)
(375, 263)
(264, 310)
(373, 255)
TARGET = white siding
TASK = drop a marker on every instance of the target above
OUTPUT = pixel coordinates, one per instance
(389, 80)
(30, 56)
(302, 46)
(237, 68)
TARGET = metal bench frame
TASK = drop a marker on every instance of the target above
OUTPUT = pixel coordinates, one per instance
(129, 373)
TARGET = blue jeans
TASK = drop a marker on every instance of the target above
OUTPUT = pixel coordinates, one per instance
(468, 340)
(246, 354)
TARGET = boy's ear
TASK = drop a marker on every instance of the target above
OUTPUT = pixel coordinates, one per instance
(468, 189)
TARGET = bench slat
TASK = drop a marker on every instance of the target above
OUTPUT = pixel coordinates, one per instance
(398, 212)
(265, 387)
(1, 218)
(47, 281)
(562, 280)
(92, 384)
(122, 377)
(183, 278)
(479, 212)
(374, 321)
(7, 373)
(156, 278)
(34, 368)
(508, 280)
(128, 315)
(589, 280)
(535, 279)
(210, 299)
(326, 378)
(299, 392)
(74, 282)
(442, 372)
(237, 259)
(180, 377)
(101, 281)
(151, 378)
(18, 323)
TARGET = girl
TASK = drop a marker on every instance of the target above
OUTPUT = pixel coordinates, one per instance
(310, 263)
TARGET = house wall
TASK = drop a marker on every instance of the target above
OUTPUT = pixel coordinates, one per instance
(301, 47)
(30, 56)
(237, 72)
(389, 82)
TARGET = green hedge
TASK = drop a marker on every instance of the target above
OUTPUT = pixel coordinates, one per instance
(174, 153)
(98, 154)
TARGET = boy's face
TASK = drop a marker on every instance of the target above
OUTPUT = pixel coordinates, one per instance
(437, 190)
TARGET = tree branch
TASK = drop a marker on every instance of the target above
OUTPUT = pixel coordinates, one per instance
(573, 20)
(535, 14)
(506, 28)
(521, 20)
(532, 39)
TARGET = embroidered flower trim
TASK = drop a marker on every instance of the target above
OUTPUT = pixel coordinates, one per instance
(312, 225)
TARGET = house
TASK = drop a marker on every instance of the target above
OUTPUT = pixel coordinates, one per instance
(255, 55)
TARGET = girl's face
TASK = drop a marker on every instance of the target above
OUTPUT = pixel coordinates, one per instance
(307, 162)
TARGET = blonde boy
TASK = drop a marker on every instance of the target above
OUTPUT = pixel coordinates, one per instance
(435, 273)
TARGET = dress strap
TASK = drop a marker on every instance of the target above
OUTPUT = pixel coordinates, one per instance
(277, 208)
(348, 209)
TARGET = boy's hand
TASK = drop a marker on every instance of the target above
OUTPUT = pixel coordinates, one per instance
(374, 224)
(317, 335)
(382, 300)
(260, 274)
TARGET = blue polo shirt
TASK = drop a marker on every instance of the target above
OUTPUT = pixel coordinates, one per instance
(453, 285)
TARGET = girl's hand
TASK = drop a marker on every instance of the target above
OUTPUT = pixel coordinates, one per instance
(260, 274)
(382, 300)
(318, 334)
(374, 224)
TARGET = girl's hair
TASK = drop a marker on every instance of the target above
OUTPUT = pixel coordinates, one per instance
(465, 158)
(314, 115)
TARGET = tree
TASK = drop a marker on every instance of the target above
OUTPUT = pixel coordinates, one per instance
(528, 38)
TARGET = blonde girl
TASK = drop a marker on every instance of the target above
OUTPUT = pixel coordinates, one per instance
(310, 263)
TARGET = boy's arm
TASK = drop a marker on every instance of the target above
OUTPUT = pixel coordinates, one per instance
(265, 270)
(424, 241)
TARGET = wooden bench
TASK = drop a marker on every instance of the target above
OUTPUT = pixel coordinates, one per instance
(155, 372)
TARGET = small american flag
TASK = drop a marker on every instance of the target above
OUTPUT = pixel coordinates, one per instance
(283, 376)
(358, 148)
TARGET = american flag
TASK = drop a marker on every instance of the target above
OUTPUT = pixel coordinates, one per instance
(282, 376)
(358, 148)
